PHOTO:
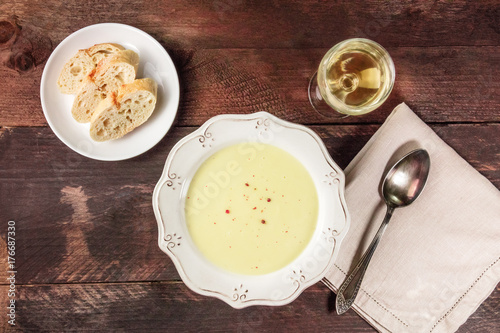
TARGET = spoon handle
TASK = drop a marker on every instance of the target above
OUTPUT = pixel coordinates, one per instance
(349, 289)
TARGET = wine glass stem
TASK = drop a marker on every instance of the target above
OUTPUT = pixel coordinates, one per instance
(317, 101)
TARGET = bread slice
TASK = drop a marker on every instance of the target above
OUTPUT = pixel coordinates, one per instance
(81, 64)
(87, 100)
(115, 70)
(74, 71)
(103, 50)
(120, 113)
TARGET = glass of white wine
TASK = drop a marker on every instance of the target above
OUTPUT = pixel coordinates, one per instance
(354, 77)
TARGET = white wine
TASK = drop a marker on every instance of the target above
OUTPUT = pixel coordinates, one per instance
(355, 76)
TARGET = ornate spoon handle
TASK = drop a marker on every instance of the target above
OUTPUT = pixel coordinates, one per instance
(349, 289)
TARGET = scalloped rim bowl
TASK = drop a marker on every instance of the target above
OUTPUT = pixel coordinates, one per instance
(279, 287)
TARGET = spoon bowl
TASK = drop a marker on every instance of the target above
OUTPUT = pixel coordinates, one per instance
(406, 179)
(401, 186)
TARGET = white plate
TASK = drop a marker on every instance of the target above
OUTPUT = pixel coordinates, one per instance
(276, 288)
(154, 63)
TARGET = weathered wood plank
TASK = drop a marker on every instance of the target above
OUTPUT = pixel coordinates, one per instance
(81, 220)
(441, 84)
(276, 24)
(87, 254)
(172, 307)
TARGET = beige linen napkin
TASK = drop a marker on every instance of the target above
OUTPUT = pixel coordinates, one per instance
(439, 257)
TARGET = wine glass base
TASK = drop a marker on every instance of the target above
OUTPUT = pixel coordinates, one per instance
(318, 103)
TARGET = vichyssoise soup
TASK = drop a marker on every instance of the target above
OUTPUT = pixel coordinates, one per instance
(251, 208)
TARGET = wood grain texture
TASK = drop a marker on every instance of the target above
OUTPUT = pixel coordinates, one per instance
(274, 24)
(441, 84)
(87, 250)
(452, 81)
(172, 307)
(81, 220)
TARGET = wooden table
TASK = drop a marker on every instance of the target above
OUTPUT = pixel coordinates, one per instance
(86, 238)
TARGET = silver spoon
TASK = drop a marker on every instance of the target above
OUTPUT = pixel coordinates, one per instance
(402, 185)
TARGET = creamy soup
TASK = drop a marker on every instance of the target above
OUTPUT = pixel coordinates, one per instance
(251, 208)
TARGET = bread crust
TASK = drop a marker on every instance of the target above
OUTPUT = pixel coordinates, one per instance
(145, 84)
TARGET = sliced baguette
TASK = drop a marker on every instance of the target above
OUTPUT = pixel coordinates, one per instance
(115, 70)
(111, 73)
(81, 64)
(87, 100)
(120, 113)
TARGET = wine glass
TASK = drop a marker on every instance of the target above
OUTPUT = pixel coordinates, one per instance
(354, 77)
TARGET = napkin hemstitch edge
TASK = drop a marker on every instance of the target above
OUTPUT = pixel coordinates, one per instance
(471, 287)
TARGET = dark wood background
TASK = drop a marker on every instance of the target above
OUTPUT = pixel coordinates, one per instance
(87, 253)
